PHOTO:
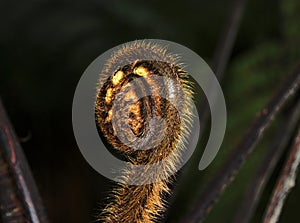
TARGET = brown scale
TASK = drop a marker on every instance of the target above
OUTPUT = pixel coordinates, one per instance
(142, 203)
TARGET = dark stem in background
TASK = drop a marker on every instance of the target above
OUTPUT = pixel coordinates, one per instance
(269, 162)
(228, 37)
(11, 208)
(20, 200)
(285, 183)
(228, 172)
(221, 57)
(224, 50)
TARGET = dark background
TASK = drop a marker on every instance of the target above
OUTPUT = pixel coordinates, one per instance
(46, 45)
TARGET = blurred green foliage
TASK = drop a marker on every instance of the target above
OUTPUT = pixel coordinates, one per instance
(252, 78)
(46, 45)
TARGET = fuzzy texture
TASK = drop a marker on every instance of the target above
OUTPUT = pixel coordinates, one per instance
(141, 141)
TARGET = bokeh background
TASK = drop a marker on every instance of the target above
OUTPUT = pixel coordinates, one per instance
(45, 45)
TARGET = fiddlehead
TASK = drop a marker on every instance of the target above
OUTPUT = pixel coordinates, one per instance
(142, 127)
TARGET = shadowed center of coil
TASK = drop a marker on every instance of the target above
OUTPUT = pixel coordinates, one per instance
(138, 111)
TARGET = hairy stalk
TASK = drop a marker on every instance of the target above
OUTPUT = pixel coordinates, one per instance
(143, 114)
